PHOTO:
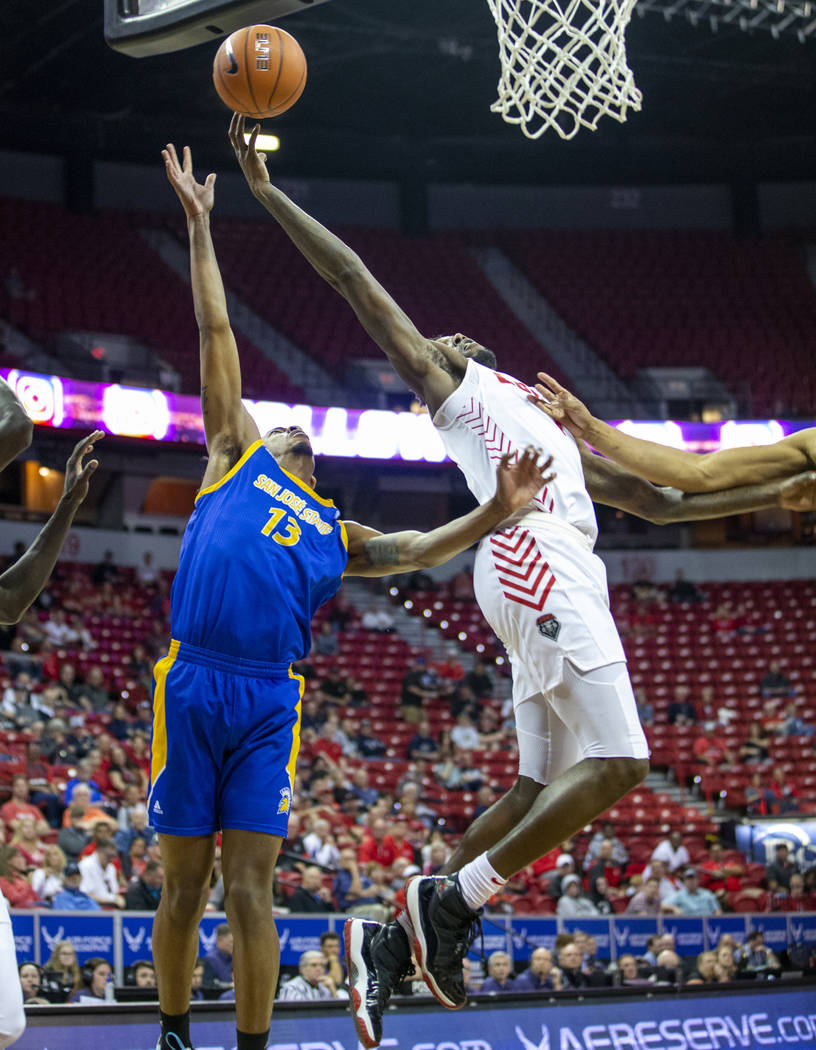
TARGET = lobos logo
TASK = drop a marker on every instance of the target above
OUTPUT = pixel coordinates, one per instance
(549, 626)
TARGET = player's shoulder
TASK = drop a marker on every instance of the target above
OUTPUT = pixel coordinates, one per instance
(805, 442)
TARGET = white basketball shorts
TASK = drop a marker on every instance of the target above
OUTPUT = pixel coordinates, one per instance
(544, 593)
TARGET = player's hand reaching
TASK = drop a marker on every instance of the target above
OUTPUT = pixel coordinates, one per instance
(253, 163)
(517, 483)
(799, 492)
(562, 406)
(77, 473)
(195, 198)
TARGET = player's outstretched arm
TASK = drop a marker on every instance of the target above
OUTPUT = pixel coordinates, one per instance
(688, 471)
(228, 427)
(21, 584)
(16, 429)
(613, 486)
(424, 365)
(373, 554)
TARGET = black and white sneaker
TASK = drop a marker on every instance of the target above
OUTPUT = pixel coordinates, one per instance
(444, 929)
(378, 959)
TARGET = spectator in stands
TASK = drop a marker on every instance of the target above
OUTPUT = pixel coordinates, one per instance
(462, 698)
(94, 696)
(354, 891)
(574, 903)
(603, 896)
(726, 966)
(672, 852)
(333, 688)
(706, 969)
(71, 897)
(480, 681)
(84, 775)
(146, 572)
(499, 979)
(772, 717)
(485, 797)
(711, 750)
(564, 866)
(61, 973)
(320, 845)
(368, 745)
(785, 795)
(570, 961)
(464, 734)
(218, 962)
(422, 745)
(778, 872)
(669, 969)
(459, 773)
(491, 734)
(417, 686)
(15, 884)
(135, 860)
(41, 792)
(73, 838)
(330, 949)
(541, 975)
(619, 855)
(691, 899)
(79, 637)
(755, 748)
(775, 682)
(100, 879)
(793, 724)
(759, 958)
(645, 709)
(605, 867)
(646, 902)
(377, 845)
(312, 983)
(105, 571)
(682, 711)
(46, 881)
(683, 590)
(145, 893)
(758, 799)
(139, 829)
(722, 875)
(57, 630)
(143, 974)
(28, 841)
(361, 788)
(797, 897)
(99, 972)
(326, 643)
(311, 896)
(380, 621)
(628, 974)
(19, 805)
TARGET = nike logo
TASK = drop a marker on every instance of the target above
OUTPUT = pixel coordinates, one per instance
(233, 67)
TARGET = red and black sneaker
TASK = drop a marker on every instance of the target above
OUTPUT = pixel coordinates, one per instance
(378, 959)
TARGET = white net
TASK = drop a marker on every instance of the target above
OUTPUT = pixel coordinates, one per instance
(563, 64)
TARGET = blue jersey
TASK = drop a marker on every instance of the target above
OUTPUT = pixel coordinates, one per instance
(261, 553)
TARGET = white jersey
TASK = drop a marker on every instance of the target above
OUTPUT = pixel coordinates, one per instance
(489, 415)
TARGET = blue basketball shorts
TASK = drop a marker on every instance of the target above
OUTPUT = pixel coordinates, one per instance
(226, 734)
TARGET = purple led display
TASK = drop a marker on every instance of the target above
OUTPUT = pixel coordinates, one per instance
(157, 415)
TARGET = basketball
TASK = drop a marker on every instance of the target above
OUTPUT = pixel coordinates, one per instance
(259, 71)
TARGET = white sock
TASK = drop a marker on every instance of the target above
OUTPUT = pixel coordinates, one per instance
(478, 881)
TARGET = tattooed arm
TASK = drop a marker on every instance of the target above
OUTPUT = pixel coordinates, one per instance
(370, 553)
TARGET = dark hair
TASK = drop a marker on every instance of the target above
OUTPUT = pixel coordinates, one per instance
(328, 935)
(485, 357)
(222, 930)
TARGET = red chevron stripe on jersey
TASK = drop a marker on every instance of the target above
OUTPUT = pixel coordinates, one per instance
(525, 576)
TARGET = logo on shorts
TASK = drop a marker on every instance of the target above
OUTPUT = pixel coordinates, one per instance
(549, 626)
(285, 803)
(157, 808)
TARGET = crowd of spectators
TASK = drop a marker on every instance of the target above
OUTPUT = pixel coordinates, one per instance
(74, 829)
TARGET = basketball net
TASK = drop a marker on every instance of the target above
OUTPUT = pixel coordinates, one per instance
(563, 64)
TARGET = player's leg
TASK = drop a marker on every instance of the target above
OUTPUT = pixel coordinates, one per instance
(598, 709)
(12, 1015)
(188, 864)
(248, 861)
(380, 956)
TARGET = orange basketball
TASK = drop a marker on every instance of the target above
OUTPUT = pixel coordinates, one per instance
(259, 71)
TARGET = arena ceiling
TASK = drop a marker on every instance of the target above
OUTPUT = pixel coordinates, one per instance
(404, 90)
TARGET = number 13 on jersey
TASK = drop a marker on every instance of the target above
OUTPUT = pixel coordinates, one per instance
(288, 536)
